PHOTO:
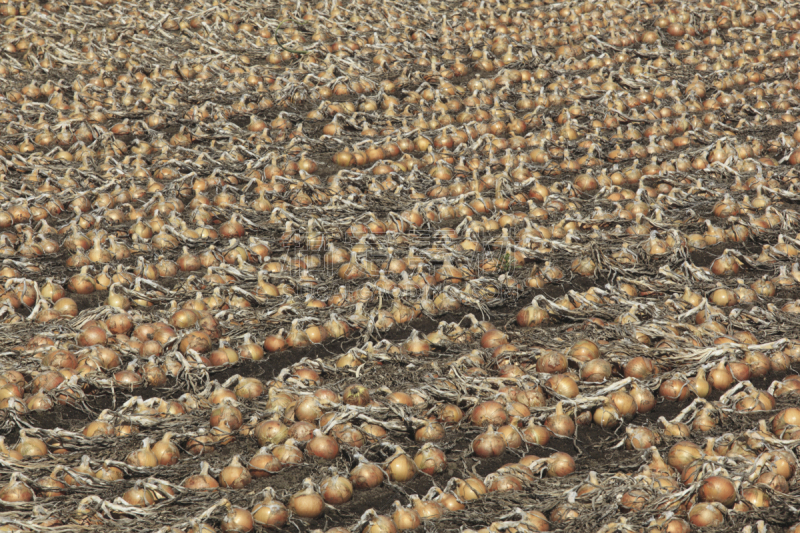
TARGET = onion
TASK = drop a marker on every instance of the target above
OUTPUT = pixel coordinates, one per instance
(366, 476)
(226, 415)
(707, 515)
(775, 481)
(720, 377)
(16, 491)
(634, 500)
(349, 435)
(674, 389)
(379, 524)
(263, 464)
(322, 446)
(755, 497)
(718, 489)
(470, 489)
(92, 336)
(274, 343)
(682, 453)
(430, 460)
(237, 520)
(302, 431)
(235, 475)
(201, 481)
(606, 416)
(249, 389)
(625, 403)
(490, 412)
(785, 418)
(489, 444)
(639, 368)
(139, 496)
(559, 423)
(782, 462)
(640, 438)
(356, 395)
(165, 451)
(536, 434)
(552, 363)
(399, 467)
(493, 338)
(530, 316)
(373, 432)
(270, 513)
(584, 351)
(405, 519)
(430, 432)
(560, 465)
(50, 486)
(308, 409)
(496, 482)
(307, 503)
(511, 435)
(336, 490)
(596, 370)
(450, 414)
(427, 509)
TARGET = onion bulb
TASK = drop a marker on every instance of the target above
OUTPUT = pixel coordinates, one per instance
(263, 464)
(559, 423)
(201, 481)
(307, 503)
(430, 459)
(470, 489)
(235, 475)
(270, 513)
(490, 412)
(682, 453)
(336, 490)
(717, 489)
(400, 467)
(405, 519)
(707, 515)
(489, 444)
(237, 520)
(366, 475)
(322, 446)
(16, 491)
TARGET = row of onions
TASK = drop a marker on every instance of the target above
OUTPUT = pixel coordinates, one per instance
(372, 266)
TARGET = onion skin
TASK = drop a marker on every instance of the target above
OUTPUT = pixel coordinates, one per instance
(323, 447)
(717, 489)
(264, 464)
(470, 489)
(489, 444)
(270, 514)
(682, 453)
(706, 515)
(639, 368)
(307, 504)
(336, 490)
(237, 520)
(366, 476)
(560, 465)
(430, 432)
(490, 412)
(559, 423)
(400, 468)
(674, 389)
(430, 460)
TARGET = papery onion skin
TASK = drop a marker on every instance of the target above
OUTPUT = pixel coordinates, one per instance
(706, 515)
(307, 505)
(718, 489)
